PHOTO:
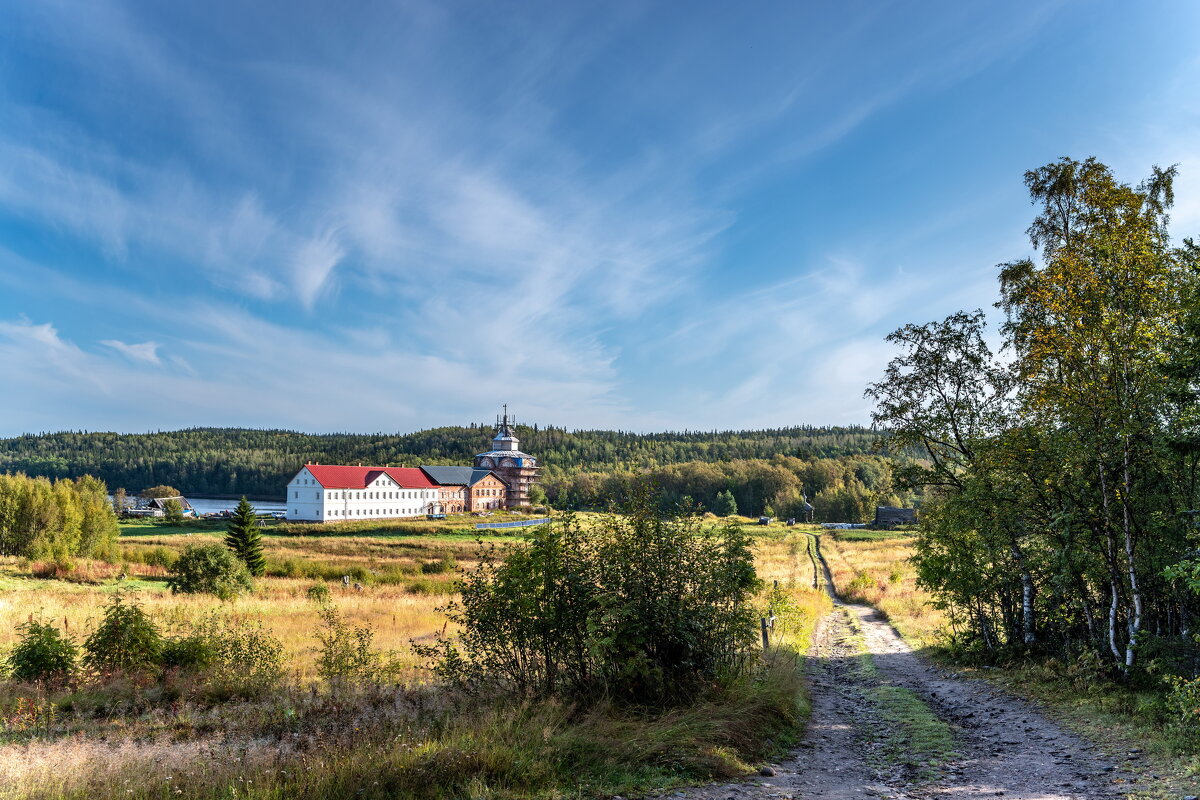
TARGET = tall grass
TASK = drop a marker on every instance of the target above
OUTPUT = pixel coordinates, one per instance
(876, 570)
(411, 740)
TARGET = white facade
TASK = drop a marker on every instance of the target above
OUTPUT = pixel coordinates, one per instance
(381, 498)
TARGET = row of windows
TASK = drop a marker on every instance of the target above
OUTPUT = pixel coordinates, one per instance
(363, 495)
(360, 495)
(361, 512)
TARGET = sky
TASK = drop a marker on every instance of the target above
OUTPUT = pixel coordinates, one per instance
(648, 216)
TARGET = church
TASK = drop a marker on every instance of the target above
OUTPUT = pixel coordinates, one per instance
(498, 479)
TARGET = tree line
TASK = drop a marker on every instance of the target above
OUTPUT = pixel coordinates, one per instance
(1061, 471)
(56, 520)
(844, 489)
(258, 463)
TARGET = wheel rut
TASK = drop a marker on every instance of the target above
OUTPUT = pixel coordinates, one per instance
(1003, 747)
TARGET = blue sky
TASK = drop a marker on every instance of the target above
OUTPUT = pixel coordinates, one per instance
(387, 216)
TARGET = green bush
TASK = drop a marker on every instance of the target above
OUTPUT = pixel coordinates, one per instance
(125, 641)
(347, 652)
(190, 653)
(639, 608)
(244, 659)
(318, 593)
(42, 653)
(226, 658)
(209, 569)
(1183, 704)
(447, 563)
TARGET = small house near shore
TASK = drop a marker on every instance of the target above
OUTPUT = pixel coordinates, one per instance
(888, 517)
(157, 507)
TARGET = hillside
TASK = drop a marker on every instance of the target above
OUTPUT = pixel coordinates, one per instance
(228, 461)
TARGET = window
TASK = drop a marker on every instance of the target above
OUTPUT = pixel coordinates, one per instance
(296, 495)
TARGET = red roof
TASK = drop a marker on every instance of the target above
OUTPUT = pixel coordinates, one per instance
(342, 477)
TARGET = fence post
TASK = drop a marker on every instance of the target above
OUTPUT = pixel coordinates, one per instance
(766, 640)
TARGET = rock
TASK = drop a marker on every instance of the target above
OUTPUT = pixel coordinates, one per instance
(1190, 797)
(767, 772)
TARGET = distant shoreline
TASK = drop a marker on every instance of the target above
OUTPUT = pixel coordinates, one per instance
(258, 497)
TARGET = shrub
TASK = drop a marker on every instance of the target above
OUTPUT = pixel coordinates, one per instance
(125, 641)
(244, 659)
(318, 593)
(209, 569)
(229, 658)
(641, 608)
(447, 563)
(347, 652)
(1183, 704)
(190, 653)
(42, 653)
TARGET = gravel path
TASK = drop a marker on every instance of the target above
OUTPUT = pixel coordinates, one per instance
(1004, 748)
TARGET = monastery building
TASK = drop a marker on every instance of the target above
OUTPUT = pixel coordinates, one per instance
(499, 479)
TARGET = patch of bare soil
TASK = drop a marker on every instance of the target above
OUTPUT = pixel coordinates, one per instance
(1004, 747)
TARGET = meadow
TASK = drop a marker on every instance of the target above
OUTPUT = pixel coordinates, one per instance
(309, 738)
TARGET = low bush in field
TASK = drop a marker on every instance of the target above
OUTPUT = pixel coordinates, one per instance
(158, 556)
(210, 569)
(125, 641)
(43, 654)
(638, 608)
(347, 654)
(446, 563)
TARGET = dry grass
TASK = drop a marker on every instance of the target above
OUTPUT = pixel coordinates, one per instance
(398, 612)
(381, 742)
(877, 571)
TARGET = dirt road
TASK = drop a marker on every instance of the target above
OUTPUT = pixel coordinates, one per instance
(952, 738)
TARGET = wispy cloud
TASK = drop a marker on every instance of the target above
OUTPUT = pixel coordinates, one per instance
(145, 352)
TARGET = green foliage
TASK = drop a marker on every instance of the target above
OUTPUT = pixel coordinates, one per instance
(639, 608)
(231, 461)
(172, 511)
(243, 660)
(1183, 704)
(1055, 480)
(42, 653)
(209, 569)
(160, 491)
(319, 593)
(347, 654)
(125, 641)
(55, 521)
(725, 505)
(446, 563)
(245, 538)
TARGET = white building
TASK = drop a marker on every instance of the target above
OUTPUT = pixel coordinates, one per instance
(327, 493)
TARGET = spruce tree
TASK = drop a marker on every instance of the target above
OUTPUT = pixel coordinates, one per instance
(726, 504)
(244, 538)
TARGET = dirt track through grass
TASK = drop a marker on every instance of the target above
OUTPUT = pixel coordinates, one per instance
(888, 724)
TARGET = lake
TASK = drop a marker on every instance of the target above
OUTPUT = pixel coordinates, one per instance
(206, 505)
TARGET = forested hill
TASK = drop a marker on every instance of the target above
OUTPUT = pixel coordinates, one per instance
(260, 462)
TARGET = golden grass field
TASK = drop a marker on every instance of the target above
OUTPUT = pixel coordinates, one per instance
(400, 606)
(877, 571)
(210, 749)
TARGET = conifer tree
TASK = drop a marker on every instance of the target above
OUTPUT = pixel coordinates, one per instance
(726, 505)
(244, 537)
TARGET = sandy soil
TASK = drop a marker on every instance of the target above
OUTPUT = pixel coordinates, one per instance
(1004, 747)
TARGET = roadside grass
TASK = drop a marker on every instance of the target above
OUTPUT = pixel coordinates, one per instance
(1117, 717)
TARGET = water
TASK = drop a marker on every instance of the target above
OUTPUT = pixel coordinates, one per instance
(206, 505)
